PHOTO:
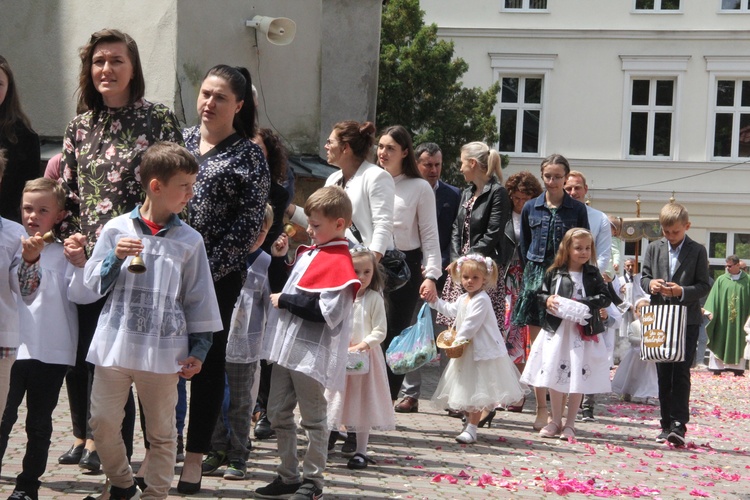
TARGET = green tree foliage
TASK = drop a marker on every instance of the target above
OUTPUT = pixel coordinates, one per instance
(420, 87)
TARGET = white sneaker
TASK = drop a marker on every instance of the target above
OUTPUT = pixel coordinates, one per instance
(466, 438)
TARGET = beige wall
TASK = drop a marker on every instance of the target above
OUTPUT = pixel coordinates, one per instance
(328, 73)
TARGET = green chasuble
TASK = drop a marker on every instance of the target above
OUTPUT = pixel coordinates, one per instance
(729, 302)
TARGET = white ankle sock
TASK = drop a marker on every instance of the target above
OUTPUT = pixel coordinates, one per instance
(362, 439)
(471, 429)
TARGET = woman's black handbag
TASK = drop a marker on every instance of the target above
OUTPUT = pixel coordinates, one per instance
(393, 264)
(395, 270)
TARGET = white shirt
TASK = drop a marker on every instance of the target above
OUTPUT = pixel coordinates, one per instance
(49, 315)
(415, 222)
(599, 224)
(147, 317)
(10, 258)
(371, 191)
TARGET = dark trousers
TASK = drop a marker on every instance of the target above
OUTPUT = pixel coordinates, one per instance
(80, 378)
(207, 387)
(674, 383)
(400, 306)
(41, 383)
(264, 387)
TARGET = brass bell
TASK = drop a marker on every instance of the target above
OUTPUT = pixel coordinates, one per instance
(289, 229)
(49, 237)
(137, 266)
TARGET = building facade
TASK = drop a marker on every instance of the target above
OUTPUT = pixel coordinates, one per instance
(646, 97)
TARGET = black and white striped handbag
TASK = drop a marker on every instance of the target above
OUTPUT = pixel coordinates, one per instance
(663, 333)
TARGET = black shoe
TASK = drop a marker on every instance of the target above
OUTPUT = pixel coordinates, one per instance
(332, 437)
(263, 428)
(737, 373)
(359, 461)
(277, 488)
(90, 461)
(23, 495)
(587, 415)
(662, 437)
(186, 488)
(677, 434)
(350, 444)
(487, 420)
(308, 491)
(72, 456)
(116, 493)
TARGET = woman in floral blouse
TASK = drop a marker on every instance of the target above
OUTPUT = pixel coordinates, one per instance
(102, 150)
(228, 209)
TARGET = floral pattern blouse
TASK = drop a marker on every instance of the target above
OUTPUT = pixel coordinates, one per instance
(230, 199)
(102, 152)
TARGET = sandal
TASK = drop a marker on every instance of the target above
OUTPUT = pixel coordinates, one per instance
(541, 421)
(568, 433)
(550, 430)
(359, 461)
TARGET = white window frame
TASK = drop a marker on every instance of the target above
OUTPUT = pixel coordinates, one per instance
(716, 261)
(525, 66)
(724, 68)
(744, 8)
(652, 68)
(525, 8)
(657, 8)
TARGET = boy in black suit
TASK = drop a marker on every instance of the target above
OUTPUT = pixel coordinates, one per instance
(675, 271)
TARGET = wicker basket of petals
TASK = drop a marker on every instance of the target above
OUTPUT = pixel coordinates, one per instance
(447, 341)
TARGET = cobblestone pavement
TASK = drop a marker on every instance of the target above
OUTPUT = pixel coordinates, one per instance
(615, 456)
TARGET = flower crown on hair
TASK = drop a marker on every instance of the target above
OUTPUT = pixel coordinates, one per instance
(476, 257)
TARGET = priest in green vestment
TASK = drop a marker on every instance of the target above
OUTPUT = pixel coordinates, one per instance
(729, 305)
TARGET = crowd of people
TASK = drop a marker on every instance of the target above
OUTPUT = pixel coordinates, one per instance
(150, 255)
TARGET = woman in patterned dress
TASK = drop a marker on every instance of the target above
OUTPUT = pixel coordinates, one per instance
(228, 209)
(482, 216)
(102, 150)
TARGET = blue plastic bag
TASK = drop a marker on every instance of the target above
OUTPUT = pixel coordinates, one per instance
(413, 347)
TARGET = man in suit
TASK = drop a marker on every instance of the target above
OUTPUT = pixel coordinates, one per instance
(430, 165)
(675, 271)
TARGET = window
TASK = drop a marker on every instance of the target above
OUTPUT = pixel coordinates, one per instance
(722, 245)
(657, 5)
(520, 106)
(520, 110)
(651, 117)
(732, 119)
(651, 106)
(524, 5)
(735, 5)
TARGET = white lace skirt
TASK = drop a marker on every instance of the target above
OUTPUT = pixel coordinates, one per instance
(469, 385)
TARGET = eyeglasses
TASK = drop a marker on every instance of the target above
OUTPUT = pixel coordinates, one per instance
(329, 142)
(519, 199)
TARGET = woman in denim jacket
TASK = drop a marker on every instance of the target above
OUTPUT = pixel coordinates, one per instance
(544, 222)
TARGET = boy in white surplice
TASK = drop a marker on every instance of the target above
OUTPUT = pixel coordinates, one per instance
(307, 338)
(155, 326)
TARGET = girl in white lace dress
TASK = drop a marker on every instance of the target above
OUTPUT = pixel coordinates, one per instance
(564, 358)
(483, 377)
